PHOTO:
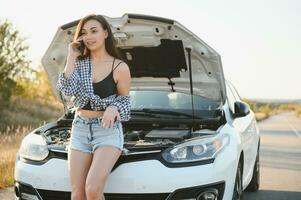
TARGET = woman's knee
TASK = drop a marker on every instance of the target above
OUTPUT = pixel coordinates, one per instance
(78, 194)
(94, 191)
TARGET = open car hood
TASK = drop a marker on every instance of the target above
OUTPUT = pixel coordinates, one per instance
(156, 50)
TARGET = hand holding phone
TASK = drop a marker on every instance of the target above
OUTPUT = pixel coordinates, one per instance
(81, 46)
(76, 48)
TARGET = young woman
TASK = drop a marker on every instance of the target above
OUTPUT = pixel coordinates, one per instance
(99, 83)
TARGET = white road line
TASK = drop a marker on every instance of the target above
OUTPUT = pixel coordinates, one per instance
(294, 129)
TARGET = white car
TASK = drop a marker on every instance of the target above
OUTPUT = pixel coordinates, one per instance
(190, 136)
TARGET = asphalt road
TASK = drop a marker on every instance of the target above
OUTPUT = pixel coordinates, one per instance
(280, 157)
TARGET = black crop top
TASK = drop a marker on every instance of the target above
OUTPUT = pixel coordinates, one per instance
(105, 87)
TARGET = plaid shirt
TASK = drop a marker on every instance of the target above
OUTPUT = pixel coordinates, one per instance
(79, 86)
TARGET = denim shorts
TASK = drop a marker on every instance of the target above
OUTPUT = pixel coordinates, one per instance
(87, 134)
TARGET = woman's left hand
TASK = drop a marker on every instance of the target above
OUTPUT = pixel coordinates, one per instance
(109, 116)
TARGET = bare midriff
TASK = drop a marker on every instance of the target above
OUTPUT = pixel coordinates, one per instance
(89, 113)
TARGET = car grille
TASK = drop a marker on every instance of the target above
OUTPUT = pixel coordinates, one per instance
(56, 195)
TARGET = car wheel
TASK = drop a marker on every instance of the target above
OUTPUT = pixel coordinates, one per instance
(238, 188)
(255, 182)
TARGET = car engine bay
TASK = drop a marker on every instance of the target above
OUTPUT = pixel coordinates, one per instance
(141, 138)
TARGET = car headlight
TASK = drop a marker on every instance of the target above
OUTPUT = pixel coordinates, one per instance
(196, 149)
(34, 147)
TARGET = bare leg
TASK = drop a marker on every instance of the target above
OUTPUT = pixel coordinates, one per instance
(78, 165)
(104, 158)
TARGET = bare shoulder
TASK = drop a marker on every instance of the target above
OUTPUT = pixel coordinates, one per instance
(122, 67)
(122, 72)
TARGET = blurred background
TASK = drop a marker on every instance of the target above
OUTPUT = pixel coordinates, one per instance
(259, 43)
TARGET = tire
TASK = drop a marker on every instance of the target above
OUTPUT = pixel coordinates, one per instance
(255, 182)
(238, 187)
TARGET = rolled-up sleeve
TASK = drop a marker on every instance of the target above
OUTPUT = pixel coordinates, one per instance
(123, 104)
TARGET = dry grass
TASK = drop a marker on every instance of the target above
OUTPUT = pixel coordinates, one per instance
(28, 112)
(298, 111)
(292, 107)
(10, 141)
(18, 118)
(261, 116)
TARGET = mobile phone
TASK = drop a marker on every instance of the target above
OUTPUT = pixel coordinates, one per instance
(81, 47)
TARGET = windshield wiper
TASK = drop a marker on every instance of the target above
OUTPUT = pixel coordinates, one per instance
(143, 113)
(163, 111)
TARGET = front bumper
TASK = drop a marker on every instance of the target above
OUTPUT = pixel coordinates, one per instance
(144, 179)
(26, 191)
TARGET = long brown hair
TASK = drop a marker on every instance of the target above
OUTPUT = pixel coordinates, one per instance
(110, 43)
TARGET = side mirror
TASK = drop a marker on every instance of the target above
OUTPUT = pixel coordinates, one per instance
(241, 109)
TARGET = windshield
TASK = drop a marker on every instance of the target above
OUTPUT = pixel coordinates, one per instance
(173, 101)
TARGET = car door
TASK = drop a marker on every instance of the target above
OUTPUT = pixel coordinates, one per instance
(245, 126)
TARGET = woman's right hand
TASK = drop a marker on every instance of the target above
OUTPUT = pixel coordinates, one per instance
(73, 51)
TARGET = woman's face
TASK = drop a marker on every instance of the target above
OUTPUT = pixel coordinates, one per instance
(94, 35)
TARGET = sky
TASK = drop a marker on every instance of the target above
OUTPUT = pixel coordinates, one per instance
(258, 40)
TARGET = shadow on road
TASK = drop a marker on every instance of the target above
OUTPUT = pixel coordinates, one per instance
(273, 195)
